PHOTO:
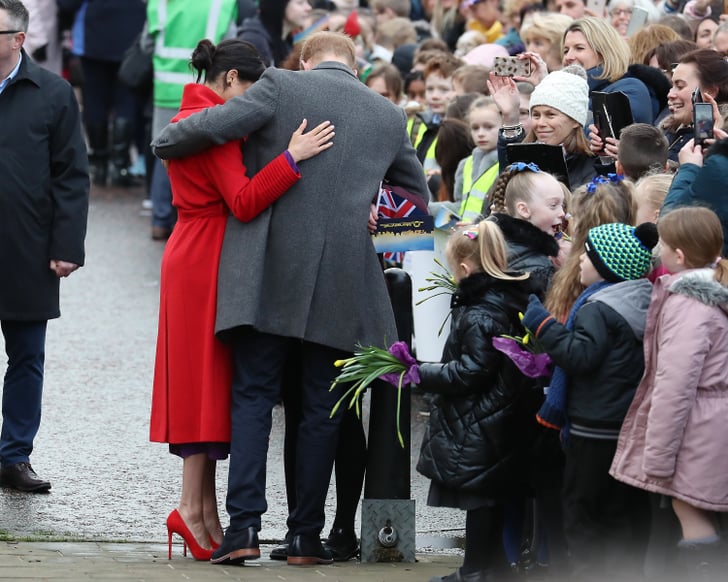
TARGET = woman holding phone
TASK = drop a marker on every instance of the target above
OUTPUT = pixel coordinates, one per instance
(558, 107)
(699, 76)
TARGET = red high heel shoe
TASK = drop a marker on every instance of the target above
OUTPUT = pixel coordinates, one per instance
(175, 524)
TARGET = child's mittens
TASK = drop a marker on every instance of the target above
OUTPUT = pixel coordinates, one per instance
(537, 318)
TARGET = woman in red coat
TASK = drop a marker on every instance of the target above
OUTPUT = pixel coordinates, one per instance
(193, 369)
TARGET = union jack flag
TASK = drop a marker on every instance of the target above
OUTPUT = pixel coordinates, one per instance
(395, 202)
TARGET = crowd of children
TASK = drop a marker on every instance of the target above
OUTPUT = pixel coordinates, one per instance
(613, 465)
(631, 412)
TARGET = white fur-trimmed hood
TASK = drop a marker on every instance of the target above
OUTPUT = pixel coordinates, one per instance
(701, 285)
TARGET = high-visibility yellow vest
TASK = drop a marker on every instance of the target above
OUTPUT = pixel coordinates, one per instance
(177, 27)
(429, 163)
(474, 193)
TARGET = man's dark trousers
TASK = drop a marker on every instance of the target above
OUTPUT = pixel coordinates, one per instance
(260, 360)
(22, 389)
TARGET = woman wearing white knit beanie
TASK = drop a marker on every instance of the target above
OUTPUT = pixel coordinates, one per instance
(559, 107)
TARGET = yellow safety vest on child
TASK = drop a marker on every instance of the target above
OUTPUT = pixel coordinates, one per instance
(474, 193)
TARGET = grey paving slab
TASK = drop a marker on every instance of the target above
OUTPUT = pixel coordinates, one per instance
(148, 562)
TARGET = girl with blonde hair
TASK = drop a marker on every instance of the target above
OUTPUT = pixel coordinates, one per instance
(477, 465)
(602, 201)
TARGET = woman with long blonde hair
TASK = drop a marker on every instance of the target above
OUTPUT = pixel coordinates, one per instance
(595, 45)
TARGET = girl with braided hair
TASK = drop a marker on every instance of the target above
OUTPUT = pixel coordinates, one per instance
(528, 205)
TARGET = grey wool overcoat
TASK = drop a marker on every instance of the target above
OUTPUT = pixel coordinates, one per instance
(306, 267)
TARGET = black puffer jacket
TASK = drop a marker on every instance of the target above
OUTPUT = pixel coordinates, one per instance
(475, 435)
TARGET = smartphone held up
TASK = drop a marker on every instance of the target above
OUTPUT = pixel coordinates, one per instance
(511, 67)
(702, 122)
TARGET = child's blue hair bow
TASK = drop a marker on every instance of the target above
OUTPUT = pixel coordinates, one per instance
(591, 187)
(523, 166)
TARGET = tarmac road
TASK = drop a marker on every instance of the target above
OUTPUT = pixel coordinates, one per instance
(109, 482)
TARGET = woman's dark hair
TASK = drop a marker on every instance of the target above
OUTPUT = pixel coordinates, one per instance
(671, 52)
(272, 13)
(230, 54)
(453, 144)
(712, 70)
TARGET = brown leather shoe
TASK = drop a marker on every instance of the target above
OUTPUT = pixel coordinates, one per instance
(307, 551)
(22, 477)
(237, 547)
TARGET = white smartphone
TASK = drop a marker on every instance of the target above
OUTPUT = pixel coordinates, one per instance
(638, 20)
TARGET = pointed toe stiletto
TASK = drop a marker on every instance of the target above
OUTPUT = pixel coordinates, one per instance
(177, 525)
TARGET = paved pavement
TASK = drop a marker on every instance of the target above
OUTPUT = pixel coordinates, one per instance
(149, 563)
(110, 484)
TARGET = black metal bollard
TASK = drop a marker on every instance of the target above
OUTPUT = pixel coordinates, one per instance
(388, 524)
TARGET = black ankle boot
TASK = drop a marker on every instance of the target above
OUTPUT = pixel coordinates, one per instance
(121, 138)
(342, 544)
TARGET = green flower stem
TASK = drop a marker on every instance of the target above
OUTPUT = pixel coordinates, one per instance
(365, 366)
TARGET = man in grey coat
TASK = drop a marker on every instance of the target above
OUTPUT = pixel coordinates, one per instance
(302, 276)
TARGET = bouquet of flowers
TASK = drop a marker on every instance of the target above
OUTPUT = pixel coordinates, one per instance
(394, 365)
(525, 352)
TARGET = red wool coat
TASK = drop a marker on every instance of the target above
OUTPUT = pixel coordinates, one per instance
(193, 369)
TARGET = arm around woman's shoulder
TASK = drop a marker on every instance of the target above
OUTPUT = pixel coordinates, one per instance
(230, 121)
(248, 198)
